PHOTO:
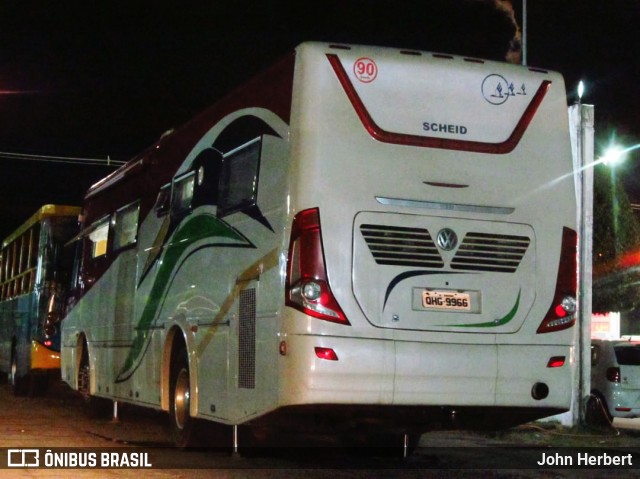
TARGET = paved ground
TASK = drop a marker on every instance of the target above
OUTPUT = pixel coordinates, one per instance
(59, 421)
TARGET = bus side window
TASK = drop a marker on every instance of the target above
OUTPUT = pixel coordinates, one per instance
(238, 189)
(182, 194)
(125, 223)
(207, 166)
(99, 239)
(163, 201)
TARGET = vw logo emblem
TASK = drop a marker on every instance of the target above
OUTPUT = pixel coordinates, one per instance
(447, 239)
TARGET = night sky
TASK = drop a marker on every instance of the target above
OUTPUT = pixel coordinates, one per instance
(80, 80)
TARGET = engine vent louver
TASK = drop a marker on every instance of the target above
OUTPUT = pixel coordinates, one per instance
(414, 247)
(490, 252)
(398, 246)
(247, 339)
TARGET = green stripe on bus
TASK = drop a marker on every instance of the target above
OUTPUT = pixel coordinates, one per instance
(491, 324)
(195, 229)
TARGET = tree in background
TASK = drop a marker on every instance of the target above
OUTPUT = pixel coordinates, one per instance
(616, 246)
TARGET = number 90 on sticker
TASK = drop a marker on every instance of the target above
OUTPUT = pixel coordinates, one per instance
(365, 70)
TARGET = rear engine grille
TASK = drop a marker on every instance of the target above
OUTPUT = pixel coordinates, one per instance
(398, 246)
(247, 340)
(490, 252)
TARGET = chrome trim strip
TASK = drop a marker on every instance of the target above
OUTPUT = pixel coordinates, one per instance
(436, 205)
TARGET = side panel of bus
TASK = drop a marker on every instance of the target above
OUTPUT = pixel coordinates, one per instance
(17, 318)
(203, 272)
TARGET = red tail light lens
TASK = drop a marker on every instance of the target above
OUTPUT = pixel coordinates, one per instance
(307, 285)
(556, 362)
(562, 313)
(613, 375)
(326, 353)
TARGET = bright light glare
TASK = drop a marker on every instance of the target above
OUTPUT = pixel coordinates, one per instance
(580, 89)
(613, 156)
(616, 154)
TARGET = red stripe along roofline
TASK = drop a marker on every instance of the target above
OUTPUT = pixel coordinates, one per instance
(429, 141)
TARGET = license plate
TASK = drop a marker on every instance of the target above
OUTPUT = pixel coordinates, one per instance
(446, 300)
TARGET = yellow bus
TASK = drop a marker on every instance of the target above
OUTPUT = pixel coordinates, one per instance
(35, 269)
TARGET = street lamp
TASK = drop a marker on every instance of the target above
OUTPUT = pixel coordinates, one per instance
(581, 117)
(580, 90)
(613, 155)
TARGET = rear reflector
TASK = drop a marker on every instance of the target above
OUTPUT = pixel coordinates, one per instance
(326, 353)
(556, 362)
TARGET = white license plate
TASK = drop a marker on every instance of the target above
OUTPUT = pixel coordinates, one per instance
(447, 300)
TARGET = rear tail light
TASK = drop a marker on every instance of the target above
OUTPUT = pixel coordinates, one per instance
(50, 323)
(326, 353)
(613, 375)
(556, 362)
(562, 313)
(307, 285)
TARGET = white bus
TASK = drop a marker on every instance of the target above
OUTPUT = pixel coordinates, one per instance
(363, 240)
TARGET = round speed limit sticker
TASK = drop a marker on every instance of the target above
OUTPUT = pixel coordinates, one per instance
(365, 70)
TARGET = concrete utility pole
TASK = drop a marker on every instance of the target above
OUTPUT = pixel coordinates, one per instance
(524, 32)
(581, 119)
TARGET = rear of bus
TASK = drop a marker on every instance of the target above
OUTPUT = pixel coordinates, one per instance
(432, 254)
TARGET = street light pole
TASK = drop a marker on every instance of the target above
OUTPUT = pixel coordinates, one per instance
(524, 32)
(582, 140)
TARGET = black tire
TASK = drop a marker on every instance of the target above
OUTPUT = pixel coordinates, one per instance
(184, 430)
(98, 408)
(84, 376)
(181, 424)
(597, 412)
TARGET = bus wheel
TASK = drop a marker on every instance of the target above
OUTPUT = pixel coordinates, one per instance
(181, 423)
(19, 385)
(94, 407)
(84, 376)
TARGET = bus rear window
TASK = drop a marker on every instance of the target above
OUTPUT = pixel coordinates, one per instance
(126, 226)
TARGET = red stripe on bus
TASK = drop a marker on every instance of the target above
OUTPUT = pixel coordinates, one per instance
(432, 142)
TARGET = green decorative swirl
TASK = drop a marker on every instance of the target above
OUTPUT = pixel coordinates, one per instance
(491, 324)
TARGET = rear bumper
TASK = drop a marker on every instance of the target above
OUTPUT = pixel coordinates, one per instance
(625, 403)
(43, 357)
(343, 418)
(405, 373)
